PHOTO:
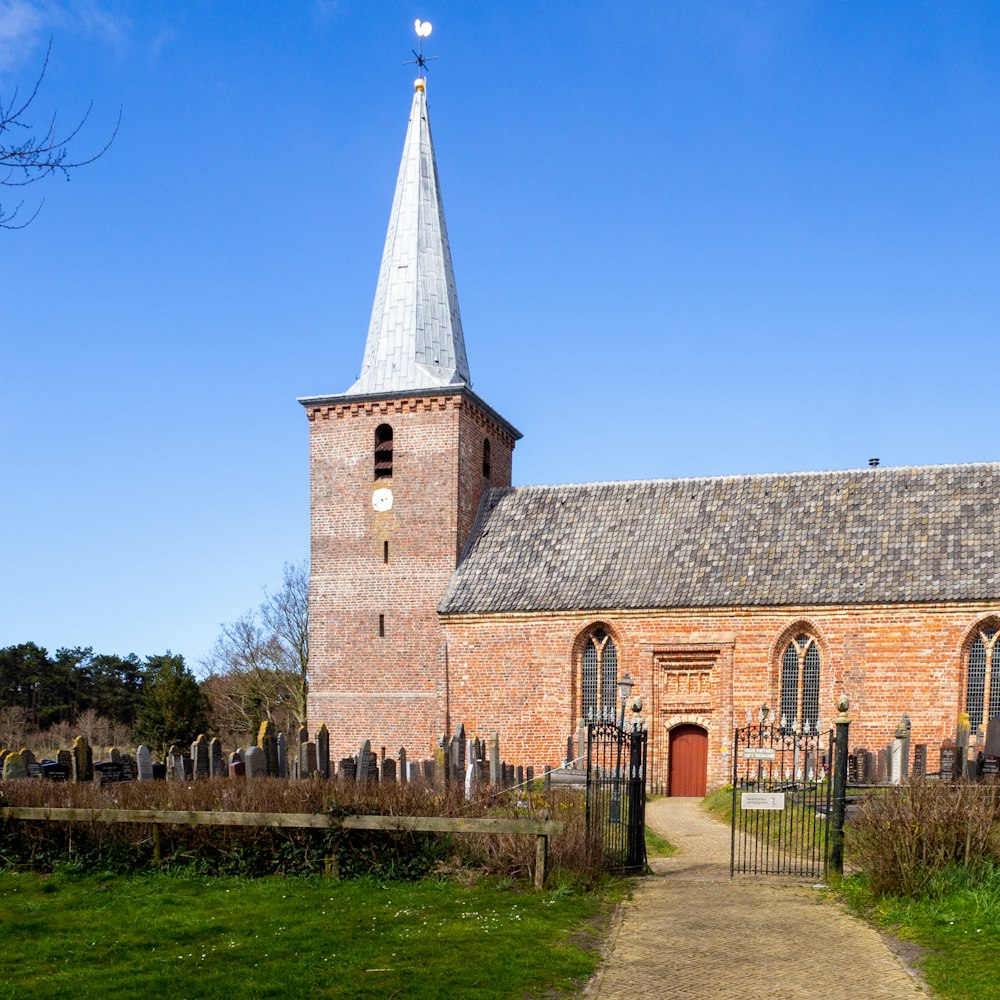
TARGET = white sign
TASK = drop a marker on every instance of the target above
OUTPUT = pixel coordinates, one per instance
(759, 753)
(762, 800)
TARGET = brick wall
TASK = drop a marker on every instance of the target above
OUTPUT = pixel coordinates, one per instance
(390, 688)
(520, 674)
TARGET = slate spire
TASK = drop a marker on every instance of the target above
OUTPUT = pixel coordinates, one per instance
(415, 336)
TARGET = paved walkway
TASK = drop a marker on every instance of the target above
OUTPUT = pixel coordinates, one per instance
(691, 932)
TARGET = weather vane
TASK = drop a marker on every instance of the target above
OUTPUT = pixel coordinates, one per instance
(423, 29)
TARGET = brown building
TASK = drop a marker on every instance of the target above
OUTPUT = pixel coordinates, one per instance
(440, 594)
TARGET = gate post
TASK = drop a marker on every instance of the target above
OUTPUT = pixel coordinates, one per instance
(843, 724)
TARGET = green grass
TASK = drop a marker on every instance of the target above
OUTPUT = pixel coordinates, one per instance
(657, 846)
(957, 923)
(186, 937)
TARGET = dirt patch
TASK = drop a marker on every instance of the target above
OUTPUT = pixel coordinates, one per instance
(909, 954)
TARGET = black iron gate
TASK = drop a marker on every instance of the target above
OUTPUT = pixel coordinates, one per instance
(781, 800)
(616, 793)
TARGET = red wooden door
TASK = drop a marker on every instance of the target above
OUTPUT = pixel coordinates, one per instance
(688, 760)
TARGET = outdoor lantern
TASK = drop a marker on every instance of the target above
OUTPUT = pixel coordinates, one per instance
(625, 686)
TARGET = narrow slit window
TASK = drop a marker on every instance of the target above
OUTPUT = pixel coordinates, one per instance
(486, 457)
(385, 552)
(381, 626)
(383, 452)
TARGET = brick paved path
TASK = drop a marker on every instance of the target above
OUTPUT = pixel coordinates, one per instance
(690, 931)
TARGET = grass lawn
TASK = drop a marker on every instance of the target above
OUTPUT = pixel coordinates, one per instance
(957, 923)
(171, 937)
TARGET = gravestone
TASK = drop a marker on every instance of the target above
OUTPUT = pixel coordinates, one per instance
(107, 772)
(28, 757)
(919, 769)
(470, 779)
(991, 766)
(55, 772)
(414, 772)
(962, 737)
(199, 757)
(144, 761)
(519, 779)
(429, 776)
(237, 769)
(348, 769)
(440, 765)
(14, 767)
(35, 770)
(82, 760)
(389, 770)
(255, 763)
(128, 767)
(323, 750)
(115, 755)
(268, 745)
(175, 763)
(882, 765)
(896, 762)
(948, 761)
(64, 758)
(495, 777)
(992, 746)
(529, 775)
(404, 775)
(364, 755)
(852, 769)
(216, 759)
(281, 742)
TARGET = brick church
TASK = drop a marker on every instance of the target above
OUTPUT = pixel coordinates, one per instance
(441, 594)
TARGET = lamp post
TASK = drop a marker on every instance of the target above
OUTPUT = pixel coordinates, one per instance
(624, 689)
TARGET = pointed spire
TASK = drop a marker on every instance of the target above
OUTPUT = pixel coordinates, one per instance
(415, 336)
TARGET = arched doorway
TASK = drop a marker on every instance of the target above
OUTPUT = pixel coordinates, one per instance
(688, 760)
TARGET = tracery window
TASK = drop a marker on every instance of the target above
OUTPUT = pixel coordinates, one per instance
(800, 681)
(599, 675)
(982, 678)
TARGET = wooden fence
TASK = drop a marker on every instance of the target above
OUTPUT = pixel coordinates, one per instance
(541, 829)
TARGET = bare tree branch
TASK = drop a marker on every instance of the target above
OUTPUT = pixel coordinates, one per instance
(28, 155)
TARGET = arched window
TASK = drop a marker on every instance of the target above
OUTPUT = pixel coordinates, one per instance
(383, 452)
(800, 681)
(982, 678)
(486, 457)
(599, 675)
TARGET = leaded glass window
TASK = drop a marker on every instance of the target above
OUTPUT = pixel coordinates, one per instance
(599, 676)
(800, 663)
(982, 677)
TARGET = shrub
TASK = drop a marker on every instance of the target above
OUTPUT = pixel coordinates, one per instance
(903, 838)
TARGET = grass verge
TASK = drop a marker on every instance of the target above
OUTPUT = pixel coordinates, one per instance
(174, 937)
(657, 846)
(956, 922)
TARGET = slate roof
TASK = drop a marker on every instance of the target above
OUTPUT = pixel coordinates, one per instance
(415, 338)
(882, 535)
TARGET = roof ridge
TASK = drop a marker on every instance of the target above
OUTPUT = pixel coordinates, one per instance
(880, 470)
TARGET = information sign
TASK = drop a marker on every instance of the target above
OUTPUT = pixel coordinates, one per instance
(762, 800)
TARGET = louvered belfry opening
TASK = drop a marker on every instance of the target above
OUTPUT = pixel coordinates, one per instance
(383, 452)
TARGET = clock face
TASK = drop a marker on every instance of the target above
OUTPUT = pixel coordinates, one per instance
(382, 499)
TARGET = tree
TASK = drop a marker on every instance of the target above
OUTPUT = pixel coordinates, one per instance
(173, 708)
(28, 154)
(259, 666)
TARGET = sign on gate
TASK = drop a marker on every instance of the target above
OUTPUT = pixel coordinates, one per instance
(759, 753)
(762, 800)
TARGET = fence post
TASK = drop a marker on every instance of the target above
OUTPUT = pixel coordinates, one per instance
(843, 724)
(541, 855)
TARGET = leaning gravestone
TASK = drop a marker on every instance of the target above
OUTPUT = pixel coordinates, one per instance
(14, 767)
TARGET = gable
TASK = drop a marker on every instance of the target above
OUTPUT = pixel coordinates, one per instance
(856, 537)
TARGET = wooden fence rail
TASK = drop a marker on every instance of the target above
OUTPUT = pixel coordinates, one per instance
(541, 829)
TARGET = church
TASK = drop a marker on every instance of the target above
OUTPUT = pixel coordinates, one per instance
(442, 595)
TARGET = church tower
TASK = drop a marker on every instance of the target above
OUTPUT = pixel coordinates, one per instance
(398, 466)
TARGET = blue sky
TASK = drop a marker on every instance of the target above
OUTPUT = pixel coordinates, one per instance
(690, 238)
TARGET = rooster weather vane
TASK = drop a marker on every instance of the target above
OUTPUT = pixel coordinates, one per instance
(423, 29)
